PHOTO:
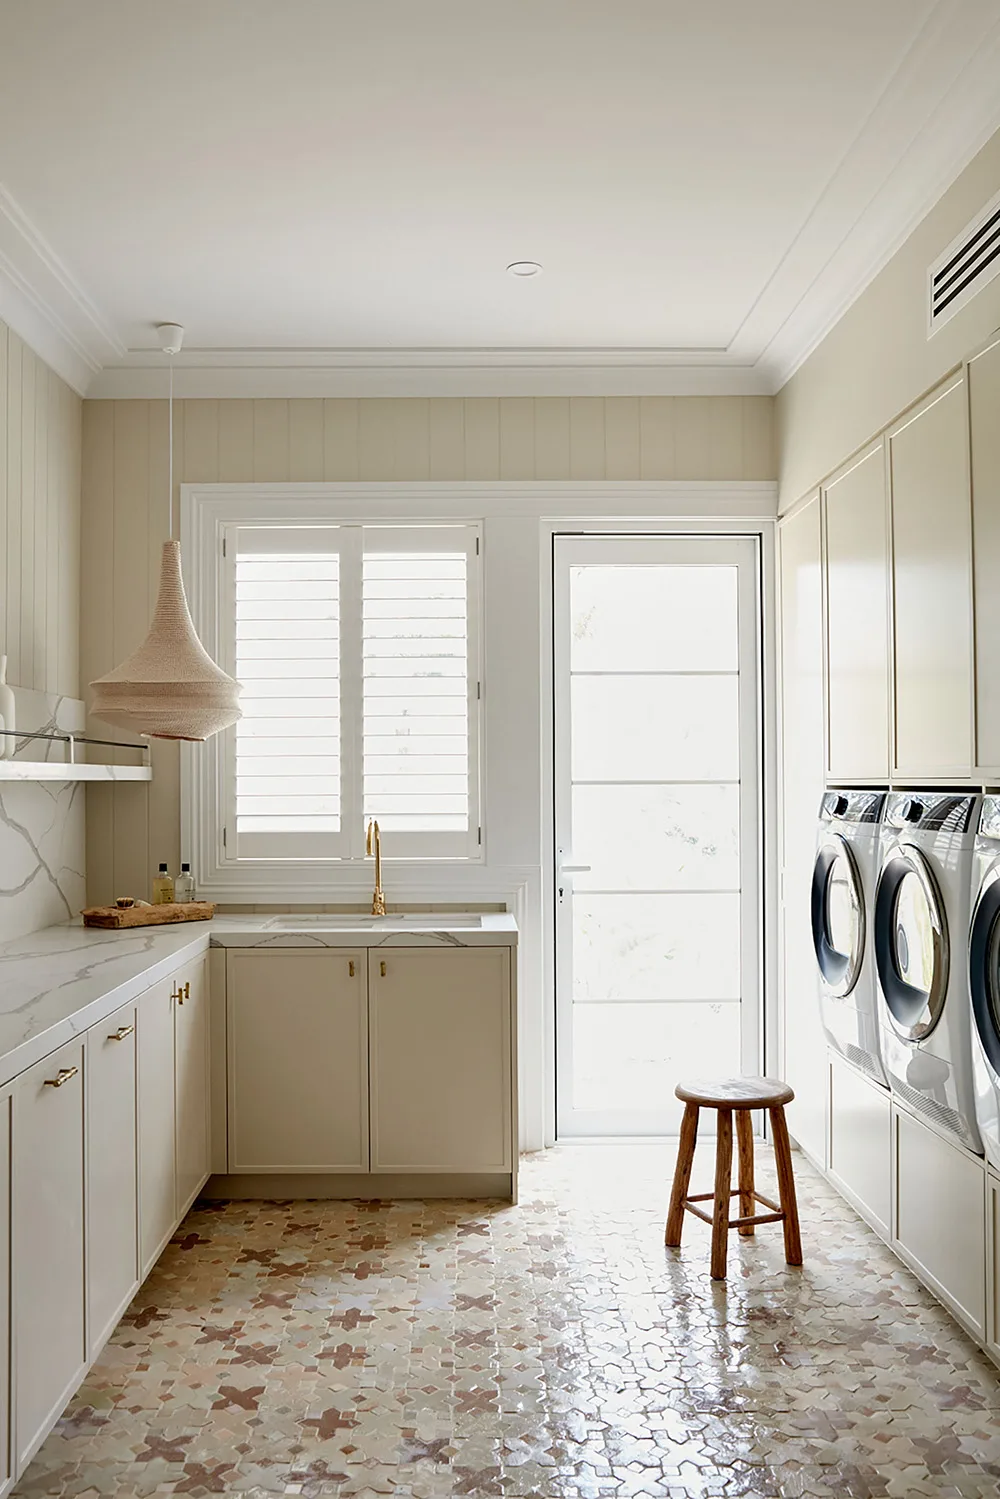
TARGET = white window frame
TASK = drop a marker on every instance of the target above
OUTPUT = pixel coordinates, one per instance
(209, 526)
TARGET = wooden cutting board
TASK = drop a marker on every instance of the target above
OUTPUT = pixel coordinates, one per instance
(115, 917)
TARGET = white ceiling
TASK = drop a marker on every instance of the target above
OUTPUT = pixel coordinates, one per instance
(328, 191)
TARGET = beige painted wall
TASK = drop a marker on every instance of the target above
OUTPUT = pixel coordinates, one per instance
(878, 359)
(40, 428)
(132, 827)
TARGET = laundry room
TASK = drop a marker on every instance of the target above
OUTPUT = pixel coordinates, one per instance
(500, 749)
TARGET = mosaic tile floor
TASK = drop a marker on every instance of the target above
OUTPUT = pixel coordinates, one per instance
(554, 1349)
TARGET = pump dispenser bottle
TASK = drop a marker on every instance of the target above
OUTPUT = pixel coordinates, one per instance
(163, 888)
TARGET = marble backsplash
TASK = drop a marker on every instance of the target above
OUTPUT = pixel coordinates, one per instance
(42, 827)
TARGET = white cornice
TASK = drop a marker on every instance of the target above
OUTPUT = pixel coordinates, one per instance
(413, 372)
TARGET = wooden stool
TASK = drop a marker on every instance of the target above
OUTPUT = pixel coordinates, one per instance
(739, 1095)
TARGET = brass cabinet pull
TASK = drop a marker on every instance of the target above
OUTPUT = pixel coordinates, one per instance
(350, 968)
(121, 1033)
(382, 969)
(187, 991)
(65, 1073)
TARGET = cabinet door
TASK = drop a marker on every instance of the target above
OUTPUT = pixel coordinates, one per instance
(6, 1453)
(50, 1350)
(861, 1142)
(932, 586)
(857, 620)
(112, 1191)
(191, 1095)
(984, 425)
(803, 1060)
(157, 1174)
(298, 1060)
(440, 1059)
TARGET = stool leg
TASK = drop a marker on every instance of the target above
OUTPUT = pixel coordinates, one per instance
(682, 1175)
(723, 1182)
(744, 1140)
(786, 1186)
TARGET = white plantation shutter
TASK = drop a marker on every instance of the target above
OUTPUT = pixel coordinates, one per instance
(357, 648)
(287, 659)
(419, 687)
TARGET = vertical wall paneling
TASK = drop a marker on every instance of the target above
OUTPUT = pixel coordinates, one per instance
(305, 440)
(340, 440)
(446, 434)
(5, 565)
(621, 437)
(234, 441)
(552, 437)
(586, 438)
(29, 500)
(40, 601)
(984, 406)
(657, 437)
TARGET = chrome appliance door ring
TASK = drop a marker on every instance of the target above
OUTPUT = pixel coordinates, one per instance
(914, 1010)
(839, 971)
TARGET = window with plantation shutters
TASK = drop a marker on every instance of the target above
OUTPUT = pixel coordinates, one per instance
(357, 648)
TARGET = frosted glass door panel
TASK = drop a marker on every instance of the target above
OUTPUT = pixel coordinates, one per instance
(689, 724)
(630, 1056)
(639, 618)
(657, 839)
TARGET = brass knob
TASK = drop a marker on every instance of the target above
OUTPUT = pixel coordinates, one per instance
(65, 1073)
(121, 1033)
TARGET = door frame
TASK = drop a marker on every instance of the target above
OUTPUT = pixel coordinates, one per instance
(764, 531)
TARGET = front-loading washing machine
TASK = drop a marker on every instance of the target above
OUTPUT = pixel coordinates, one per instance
(984, 975)
(922, 904)
(843, 891)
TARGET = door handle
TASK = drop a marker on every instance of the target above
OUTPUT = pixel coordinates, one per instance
(382, 969)
(350, 968)
(121, 1033)
(574, 868)
(65, 1073)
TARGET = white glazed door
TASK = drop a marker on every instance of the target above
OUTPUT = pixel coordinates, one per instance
(657, 775)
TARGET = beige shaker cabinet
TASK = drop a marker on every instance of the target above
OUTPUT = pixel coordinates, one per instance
(191, 1087)
(984, 423)
(440, 1059)
(47, 1244)
(932, 587)
(112, 1178)
(297, 1022)
(856, 521)
(157, 1144)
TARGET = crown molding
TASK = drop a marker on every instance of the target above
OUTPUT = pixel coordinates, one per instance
(269, 374)
(956, 60)
(46, 306)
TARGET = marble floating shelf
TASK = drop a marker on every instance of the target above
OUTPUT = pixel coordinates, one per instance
(56, 770)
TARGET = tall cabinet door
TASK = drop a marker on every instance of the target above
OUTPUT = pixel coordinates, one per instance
(192, 1083)
(857, 617)
(157, 1155)
(984, 425)
(804, 1061)
(50, 1347)
(112, 1185)
(932, 587)
(298, 1060)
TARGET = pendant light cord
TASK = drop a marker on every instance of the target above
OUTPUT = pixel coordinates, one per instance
(170, 456)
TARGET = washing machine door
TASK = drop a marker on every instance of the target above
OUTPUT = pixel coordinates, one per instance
(838, 915)
(911, 942)
(984, 966)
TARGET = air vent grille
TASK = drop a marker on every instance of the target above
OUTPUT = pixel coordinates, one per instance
(862, 1060)
(948, 1119)
(969, 263)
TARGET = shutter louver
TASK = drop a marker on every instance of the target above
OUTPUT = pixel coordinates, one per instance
(416, 688)
(287, 658)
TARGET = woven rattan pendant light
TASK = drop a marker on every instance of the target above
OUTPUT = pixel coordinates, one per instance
(170, 688)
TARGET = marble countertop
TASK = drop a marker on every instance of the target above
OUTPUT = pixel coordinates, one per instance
(63, 979)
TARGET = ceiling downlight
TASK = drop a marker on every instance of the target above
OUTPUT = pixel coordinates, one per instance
(523, 270)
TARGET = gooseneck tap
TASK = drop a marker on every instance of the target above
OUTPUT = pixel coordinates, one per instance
(374, 846)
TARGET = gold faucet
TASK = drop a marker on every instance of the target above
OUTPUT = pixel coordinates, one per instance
(374, 846)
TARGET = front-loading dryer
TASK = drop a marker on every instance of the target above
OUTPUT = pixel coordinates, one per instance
(843, 892)
(922, 904)
(984, 976)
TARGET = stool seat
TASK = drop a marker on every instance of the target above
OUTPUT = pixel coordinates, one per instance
(734, 1096)
(736, 1093)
